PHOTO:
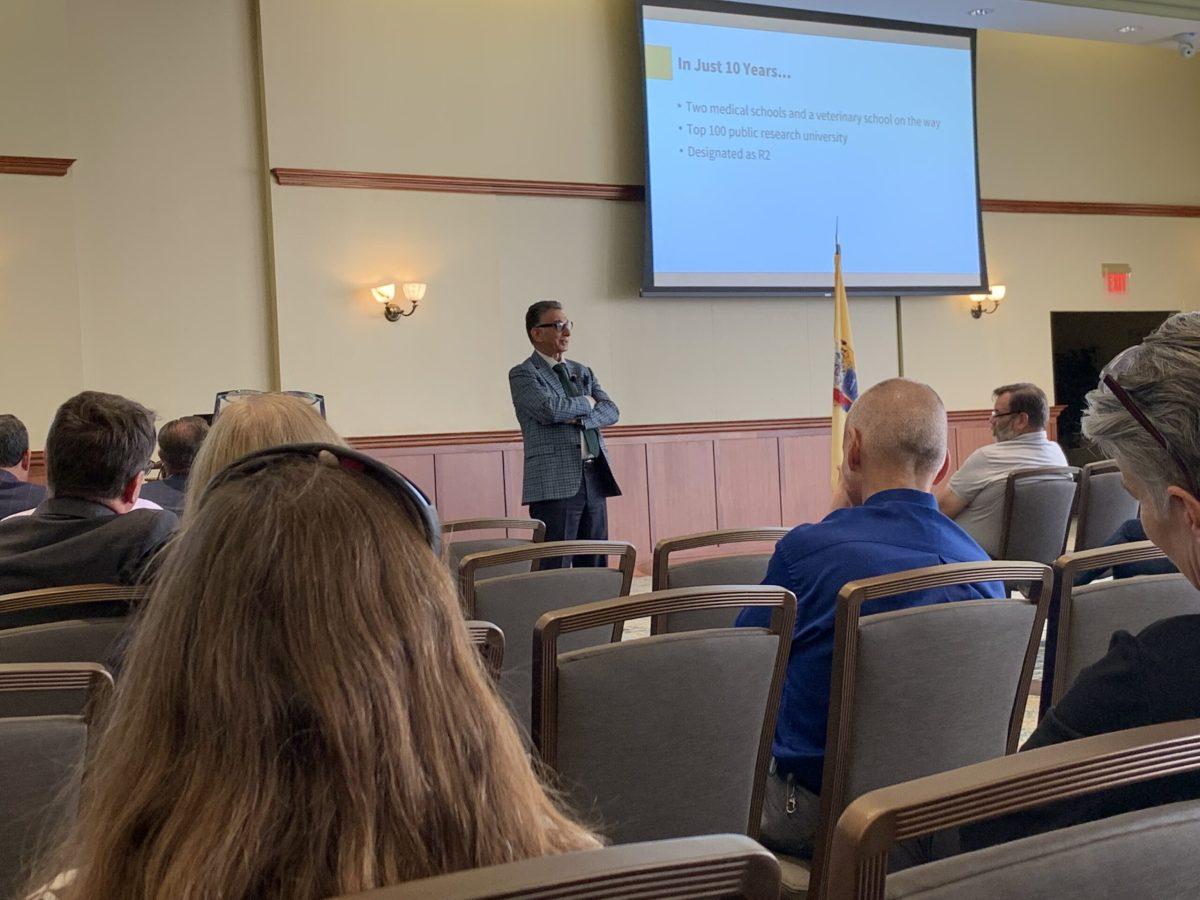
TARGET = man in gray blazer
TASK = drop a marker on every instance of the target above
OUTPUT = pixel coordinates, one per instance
(561, 409)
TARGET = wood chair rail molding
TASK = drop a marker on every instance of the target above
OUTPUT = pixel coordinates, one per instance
(397, 181)
(394, 181)
(730, 428)
(34, 165)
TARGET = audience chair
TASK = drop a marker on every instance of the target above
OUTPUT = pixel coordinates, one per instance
(79, 601)
(1104, 504)
(53, 689)
(75, 640)
(515, 602)
(922, 690)
(1038, 504)
(456, 550)
(80, 636)
(725, 866)
(1087, 615)
(40, 761)
(489, 641)
(742, 568)
(1147, 853)
(670, 735)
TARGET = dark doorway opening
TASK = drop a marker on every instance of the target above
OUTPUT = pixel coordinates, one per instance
(1083, 343)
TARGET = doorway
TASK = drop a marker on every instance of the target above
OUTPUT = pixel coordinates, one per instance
(1083, 343)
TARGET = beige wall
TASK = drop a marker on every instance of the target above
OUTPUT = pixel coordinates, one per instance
(143, 271)
(1067, 120)
(485, 258)
(547, 90)
(40, 348)
(146, 269)
(1084, 120)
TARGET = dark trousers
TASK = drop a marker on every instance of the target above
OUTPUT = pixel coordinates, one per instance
(583, 517)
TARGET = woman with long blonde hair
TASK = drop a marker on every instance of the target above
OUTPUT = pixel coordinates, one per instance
(302, 713)
(253, 423)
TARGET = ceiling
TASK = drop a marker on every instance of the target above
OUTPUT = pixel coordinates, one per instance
(1096, 20)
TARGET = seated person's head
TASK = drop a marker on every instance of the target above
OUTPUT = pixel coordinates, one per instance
(254, 423)
(1018, 409)
(14, 446)
(895, 438)
(1161, 380)
(302, 713)
(178, 442)
(98, 448)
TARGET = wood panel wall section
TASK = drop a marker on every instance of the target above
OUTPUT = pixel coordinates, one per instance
(396, 181)
(34, 165)
(675, 478)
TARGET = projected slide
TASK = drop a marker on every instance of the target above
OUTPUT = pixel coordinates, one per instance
(762, 132)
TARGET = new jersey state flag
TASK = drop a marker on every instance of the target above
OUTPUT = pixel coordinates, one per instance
(845, 376)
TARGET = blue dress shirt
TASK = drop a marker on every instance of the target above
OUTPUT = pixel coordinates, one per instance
(892, 531)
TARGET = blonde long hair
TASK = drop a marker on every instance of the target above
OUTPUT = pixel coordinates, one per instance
(254, 423)
(302, 713)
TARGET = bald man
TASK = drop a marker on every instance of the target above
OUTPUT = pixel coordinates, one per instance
(884, 519)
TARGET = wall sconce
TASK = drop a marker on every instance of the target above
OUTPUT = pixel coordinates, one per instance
(414, 292)
(994, 296)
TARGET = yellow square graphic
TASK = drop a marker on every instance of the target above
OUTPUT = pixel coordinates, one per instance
(658, 62)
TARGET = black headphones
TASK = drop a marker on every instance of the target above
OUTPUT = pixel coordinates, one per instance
(407, 494)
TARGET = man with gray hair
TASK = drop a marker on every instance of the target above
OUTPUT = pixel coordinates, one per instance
(884, 520)
(974, 495)
(1145, 415)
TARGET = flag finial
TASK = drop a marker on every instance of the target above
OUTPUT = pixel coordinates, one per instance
(837, 246)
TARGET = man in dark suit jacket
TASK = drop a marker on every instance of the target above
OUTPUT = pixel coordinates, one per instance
(178, 442)
(16, 493)
(561, 409)
(88, 531)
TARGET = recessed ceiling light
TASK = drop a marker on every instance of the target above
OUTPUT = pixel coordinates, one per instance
(982, 11)
(1129, 29)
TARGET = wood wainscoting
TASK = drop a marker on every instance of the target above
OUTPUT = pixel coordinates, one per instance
(675, 479)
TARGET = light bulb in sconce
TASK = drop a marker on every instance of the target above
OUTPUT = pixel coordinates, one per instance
(386, 293)
(993, 296)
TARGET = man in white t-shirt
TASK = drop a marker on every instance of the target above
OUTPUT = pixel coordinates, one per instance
(974, 495)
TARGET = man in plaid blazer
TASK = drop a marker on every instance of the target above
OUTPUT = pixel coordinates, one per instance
(561, 409)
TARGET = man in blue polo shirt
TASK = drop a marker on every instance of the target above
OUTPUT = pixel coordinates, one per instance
(884, 520)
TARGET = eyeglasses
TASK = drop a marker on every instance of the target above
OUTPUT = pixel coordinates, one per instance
(1123, 362)
(557, 326)
(396, 484)
(1001, 415)
(224, 398)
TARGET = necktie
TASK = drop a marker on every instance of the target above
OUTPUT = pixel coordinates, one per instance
(591, 436)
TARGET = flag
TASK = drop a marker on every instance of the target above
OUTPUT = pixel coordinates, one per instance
(845, 376)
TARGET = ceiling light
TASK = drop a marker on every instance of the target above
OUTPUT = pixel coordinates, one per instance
(1129, 29)
(982, 11)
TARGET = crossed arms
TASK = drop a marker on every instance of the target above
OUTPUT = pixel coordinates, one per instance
(533, 399)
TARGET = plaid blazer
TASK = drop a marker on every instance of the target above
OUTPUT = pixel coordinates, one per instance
(553, 460)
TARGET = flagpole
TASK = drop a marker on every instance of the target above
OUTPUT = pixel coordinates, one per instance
(899, 338)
